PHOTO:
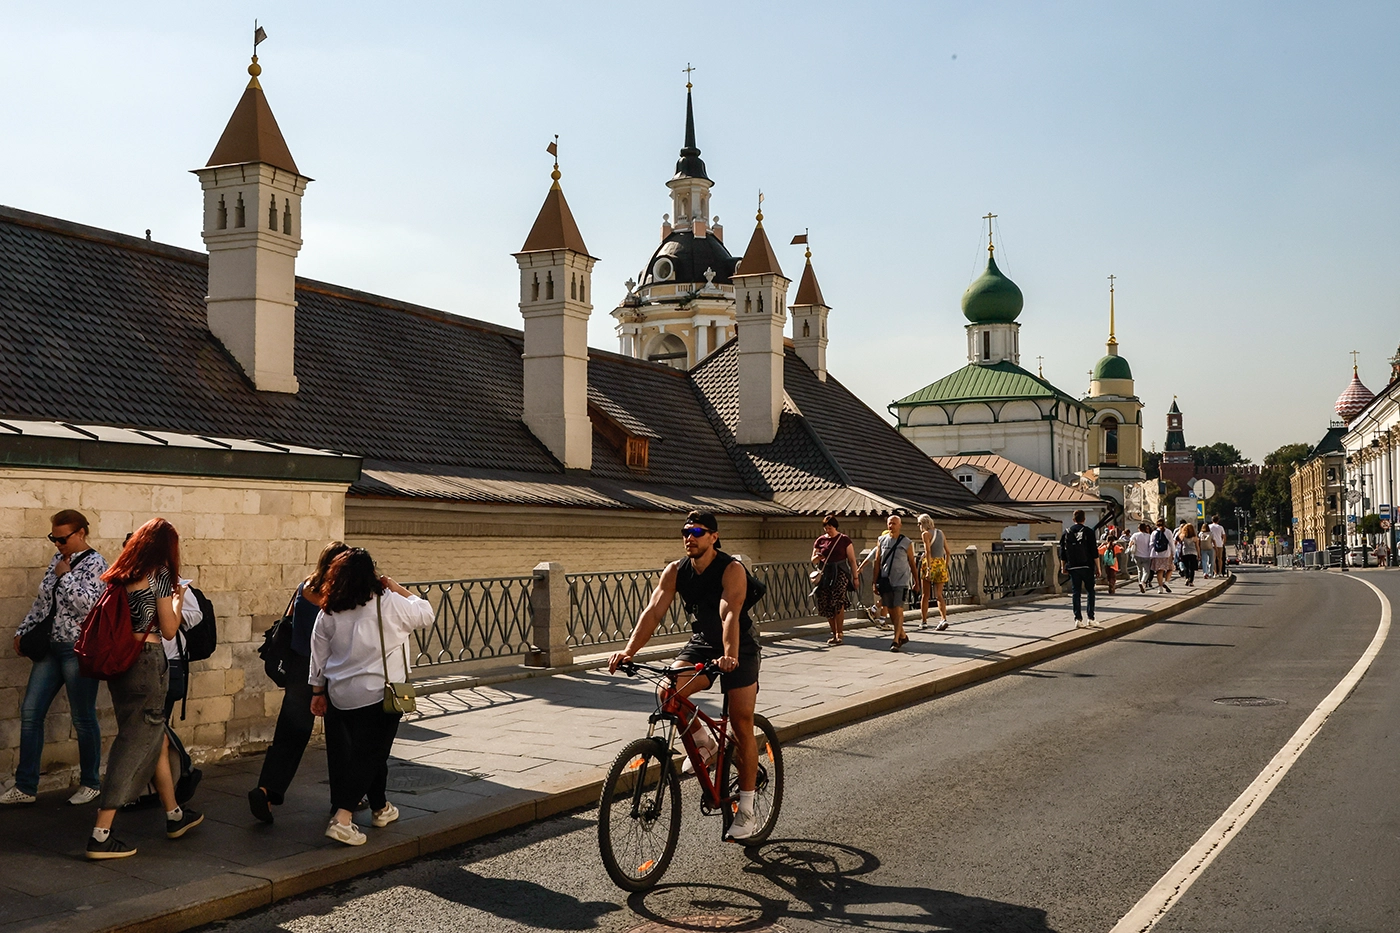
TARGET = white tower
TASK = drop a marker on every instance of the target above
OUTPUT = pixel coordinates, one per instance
(809, 320)
(555, 287)
(760, 295)
(252, 229)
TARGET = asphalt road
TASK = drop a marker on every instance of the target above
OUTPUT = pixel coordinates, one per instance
(1050, 799)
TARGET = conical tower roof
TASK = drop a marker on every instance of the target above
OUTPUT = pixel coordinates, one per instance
(252, 134)
(808, 291)
(759, 258)
(690, 165)
(554, 226)
(1354, 398)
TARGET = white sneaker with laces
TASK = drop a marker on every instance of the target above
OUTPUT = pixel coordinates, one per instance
(347, 833)
(84, 795)
(14, 795)
(708, 750)
(385, 816)
(744, 826)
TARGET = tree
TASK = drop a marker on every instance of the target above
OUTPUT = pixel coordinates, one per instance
(1235, 492)
(1152, 463)
(1273, 496)
(1368, 524)
(1220, 454)
(1288, 455)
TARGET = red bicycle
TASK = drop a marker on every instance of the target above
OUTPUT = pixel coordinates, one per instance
(639, 813)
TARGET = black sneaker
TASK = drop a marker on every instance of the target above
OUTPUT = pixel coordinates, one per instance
(112, 848)
(188, 820)
(258, 804)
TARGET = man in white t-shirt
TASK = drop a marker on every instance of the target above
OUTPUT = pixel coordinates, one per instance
(1141, 544)
(1217, 539)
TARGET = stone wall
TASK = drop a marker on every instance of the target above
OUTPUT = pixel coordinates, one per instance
(244, 543)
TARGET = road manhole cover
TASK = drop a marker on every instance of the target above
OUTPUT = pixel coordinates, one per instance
(1251, 701)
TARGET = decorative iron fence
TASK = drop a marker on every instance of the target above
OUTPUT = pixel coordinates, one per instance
(604, 606)
(1013, 573)
(485, 617)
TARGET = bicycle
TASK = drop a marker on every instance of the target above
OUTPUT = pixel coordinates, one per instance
(639, 811)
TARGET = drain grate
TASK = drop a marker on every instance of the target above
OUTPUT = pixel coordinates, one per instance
(1251, 701)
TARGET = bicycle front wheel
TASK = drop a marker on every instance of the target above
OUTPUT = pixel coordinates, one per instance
(768, 793)
(639, 815)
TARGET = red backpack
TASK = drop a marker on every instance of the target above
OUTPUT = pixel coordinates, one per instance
(106, 648)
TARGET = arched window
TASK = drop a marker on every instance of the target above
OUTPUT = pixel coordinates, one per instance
(986, 345)
(1109, 427)
(669, 350)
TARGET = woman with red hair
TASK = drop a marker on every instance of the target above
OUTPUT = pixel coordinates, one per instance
(149, 569)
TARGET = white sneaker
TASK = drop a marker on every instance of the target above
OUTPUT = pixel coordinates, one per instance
(385, 816)
(744, 826)
(14, 795)
(708, 750)
(347, 833)
(84, 795)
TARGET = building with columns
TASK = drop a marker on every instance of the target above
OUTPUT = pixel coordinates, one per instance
(1370, 444)
(992, 405)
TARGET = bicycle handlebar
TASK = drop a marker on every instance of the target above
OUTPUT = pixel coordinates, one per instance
(706, 669)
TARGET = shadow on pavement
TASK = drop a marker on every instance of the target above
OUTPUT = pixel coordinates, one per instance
(823, 884)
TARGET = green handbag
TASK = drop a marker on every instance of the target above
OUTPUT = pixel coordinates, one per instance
(398, 697)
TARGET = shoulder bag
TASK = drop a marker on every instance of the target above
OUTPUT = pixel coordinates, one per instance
(277, 645)
(398, 697)
(34, 644)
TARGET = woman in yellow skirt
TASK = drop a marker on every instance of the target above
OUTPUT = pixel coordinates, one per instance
(933, 571)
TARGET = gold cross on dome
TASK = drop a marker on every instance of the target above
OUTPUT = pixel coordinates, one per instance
(989, 217)
(688, 69)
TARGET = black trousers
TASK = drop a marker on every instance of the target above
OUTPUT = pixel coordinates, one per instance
(294, 725)
(1188, 567)
(358, 742)
(1081, 578)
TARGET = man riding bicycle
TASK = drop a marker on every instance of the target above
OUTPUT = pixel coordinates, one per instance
(712, 586)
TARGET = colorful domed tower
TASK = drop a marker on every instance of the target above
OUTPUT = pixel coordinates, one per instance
(1354, 398)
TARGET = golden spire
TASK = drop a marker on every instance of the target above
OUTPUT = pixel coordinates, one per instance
(259, 34)
(553, 149)
(688, 69)
(759, 216)
(1112, 339)
(989, 217)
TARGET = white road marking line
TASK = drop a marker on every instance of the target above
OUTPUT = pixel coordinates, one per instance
(1166, 892)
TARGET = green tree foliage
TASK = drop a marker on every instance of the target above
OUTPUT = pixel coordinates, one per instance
(1152, 463)
(1368, 524)
(1273, 496)
(1220, 454)
(1235, 492)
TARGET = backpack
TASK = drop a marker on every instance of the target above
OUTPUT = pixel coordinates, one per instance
(198, 643)
(1159, 541)
(105, 648)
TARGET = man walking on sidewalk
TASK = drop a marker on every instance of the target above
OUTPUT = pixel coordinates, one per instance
(1141, 543)
(1079, 558)
(1217, 540)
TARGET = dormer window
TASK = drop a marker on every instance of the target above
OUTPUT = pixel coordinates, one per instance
(965, 479)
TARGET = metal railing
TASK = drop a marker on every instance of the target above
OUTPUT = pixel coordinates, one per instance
(475, 619)
(1013, 573)
(604, 606)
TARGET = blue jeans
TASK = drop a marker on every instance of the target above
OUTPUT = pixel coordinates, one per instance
(1082, 578)
(58, 668)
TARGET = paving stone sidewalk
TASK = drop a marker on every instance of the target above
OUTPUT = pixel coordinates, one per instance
(489, 746)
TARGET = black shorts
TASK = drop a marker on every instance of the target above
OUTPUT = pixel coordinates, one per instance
(698, 651)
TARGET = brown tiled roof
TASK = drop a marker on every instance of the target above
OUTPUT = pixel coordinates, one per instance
(759, 258)
(808, 291)
(1016, 485)
(252, 134)
(554, 227)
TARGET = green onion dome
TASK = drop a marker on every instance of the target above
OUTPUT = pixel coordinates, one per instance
(992, 298)
(1112, 367)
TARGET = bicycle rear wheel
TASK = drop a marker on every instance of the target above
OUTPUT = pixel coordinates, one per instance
(768, 793)
(639, 815)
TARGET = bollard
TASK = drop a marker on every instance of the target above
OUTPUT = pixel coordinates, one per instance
(549, 614)
(1052, 569)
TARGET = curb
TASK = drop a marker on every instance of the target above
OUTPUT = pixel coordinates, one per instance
(234, 892)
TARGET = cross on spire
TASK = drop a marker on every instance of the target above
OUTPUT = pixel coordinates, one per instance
(1040, 365)
(989, 217)
(688, 69)
(1354, 354)
(1112, 340)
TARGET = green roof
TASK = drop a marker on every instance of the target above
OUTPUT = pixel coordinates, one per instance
(1002, 381)
(992, 298)
(1112, 366)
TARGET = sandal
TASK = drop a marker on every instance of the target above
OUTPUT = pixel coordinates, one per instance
(833, 641)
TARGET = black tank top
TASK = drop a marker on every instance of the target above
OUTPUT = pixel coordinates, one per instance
(700, 593)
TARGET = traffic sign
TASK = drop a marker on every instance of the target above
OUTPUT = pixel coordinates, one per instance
(1203, 488)
(1385, 524)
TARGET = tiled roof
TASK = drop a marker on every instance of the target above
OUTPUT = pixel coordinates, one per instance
(986, 382)
(554, 225)
(808, 291)
(759, 258)
(1331, 443)
(1016, 485)
(106, 329)
(252, 134)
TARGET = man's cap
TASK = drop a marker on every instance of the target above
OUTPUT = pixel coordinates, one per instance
(704, 520)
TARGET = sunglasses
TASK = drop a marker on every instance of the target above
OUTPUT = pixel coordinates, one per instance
(60, 539)
(694, 531)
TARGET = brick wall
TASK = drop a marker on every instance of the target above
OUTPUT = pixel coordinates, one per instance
(245, 543)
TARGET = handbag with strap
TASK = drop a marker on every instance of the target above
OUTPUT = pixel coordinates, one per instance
(398, 697)
(276, 648)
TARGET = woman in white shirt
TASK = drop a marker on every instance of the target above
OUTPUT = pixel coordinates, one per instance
(349, 671)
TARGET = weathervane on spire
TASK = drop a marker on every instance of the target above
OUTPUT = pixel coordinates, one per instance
(801, 240)
(553, 149)
(259, 34)
(759, 218)
(989, 217)
(688, 69)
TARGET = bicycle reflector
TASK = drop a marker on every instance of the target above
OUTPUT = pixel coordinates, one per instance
(700, 666)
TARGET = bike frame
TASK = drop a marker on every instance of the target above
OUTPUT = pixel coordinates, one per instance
(678, 714)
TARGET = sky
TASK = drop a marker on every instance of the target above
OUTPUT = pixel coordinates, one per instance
(1234, 165)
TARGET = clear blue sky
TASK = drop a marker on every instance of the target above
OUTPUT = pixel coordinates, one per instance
(1235, 165)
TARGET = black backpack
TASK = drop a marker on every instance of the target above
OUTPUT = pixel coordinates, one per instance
(198, 643)
(1159, 541)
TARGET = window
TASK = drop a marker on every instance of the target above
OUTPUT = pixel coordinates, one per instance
(287, 217)
(535, 288)
(1331, 476)
(573, 286)
(663, 270)
(965, 479)
(239, 212)
(581, 281)
(760, 304)
(986, 345)
(1109, 426)
(548, 286)
(748, 304)
(222, 221)
(806, 328)
(272, 213)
